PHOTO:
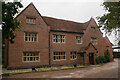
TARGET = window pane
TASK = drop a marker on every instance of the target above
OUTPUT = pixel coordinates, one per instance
(24, 58)
(27, 20)
(27, 59)
(25, 34)
(24, 54)
(37, 59)
(30, 20)
(34, 59)
(54, 57)
(33, 21)
(27, 54)
(31, 56)
(26, 39)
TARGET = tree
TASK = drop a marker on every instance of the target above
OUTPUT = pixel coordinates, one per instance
(9, 22)
(119, 43)
(110, 21)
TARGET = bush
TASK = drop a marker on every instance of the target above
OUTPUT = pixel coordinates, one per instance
(107, 56)
(116, 54)
(100, 59)
(103, 59)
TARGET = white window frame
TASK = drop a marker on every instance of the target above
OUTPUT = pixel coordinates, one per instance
(30, 20)
(94, 41)
(30, 37)
(108, 48)
(73, 53)
(28, 56)
(58, 38)
(59, 56)
(78, 39)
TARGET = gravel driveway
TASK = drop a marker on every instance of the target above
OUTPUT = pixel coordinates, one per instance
(109, 70)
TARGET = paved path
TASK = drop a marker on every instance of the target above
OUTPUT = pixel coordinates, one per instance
(109, 70)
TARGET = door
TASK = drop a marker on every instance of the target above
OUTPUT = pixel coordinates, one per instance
(91, 58)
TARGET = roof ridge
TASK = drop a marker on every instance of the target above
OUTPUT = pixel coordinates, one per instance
(65, 20)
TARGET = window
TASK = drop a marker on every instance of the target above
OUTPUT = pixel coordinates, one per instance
(94, 40)
(78, 40)
(59, 55)
(31, 57)
(107, 48)
(58, 38)
(92, 28)
(30, 37)
(30, 20)
(73, 55)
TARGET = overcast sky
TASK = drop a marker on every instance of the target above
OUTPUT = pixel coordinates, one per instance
(74, 10)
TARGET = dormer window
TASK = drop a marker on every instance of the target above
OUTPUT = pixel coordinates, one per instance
(30, 20)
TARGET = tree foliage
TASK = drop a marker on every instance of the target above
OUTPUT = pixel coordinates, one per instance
(9, 22)
(110, 21)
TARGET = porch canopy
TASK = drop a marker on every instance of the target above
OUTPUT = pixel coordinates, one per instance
(83, 50)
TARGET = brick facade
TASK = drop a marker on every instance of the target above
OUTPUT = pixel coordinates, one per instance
(45, 27)
(107, 43)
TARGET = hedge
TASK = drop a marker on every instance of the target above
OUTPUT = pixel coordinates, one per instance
(103, 59)
(116, 54)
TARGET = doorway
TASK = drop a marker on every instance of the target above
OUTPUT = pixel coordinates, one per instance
(91, 58)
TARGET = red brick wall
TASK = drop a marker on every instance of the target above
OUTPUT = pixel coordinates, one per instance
(97, 33)
(16, 50)
(107, 43)
(68, 46)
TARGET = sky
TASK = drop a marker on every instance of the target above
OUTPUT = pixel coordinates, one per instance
(73, 10)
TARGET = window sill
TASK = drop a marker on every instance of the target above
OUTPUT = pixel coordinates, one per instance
(31, 41)
(59, 43)
(73, 59)
(78, 43)
(31, 23)
(30, 61)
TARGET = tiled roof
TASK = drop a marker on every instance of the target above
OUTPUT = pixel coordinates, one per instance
(84, 49)
(65, 25)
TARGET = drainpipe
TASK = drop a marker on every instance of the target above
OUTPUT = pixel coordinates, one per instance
(7, 52)
(49, 51)
(83, 59)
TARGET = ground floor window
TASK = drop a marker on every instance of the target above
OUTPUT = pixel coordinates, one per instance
(73, 55)
(31, 57)
(59, 55)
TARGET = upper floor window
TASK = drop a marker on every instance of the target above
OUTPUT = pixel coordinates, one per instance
(30, 37)
(92, 28)
(78, 40)
(73, 55)
(58, 38)
(30, 20)
(107, 48)
(31, 57)
(94, 40)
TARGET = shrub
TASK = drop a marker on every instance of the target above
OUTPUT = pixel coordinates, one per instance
(107, 56)
(116, 54)
(100, 59)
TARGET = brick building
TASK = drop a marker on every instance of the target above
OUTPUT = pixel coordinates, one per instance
(45, 41)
